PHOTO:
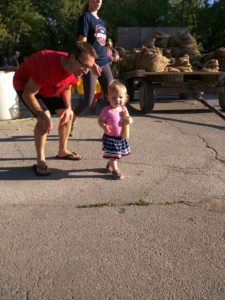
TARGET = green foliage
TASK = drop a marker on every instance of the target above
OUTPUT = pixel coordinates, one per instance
(133, 13)
(30, 25)
(210, 26)
(18, 23)
(61, 21)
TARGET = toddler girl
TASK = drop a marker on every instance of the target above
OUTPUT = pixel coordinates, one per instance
(112, 121)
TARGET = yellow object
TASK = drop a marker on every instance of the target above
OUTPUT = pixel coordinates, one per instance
(80, 89)
(73, 89)
(98, 88)
(126, 127)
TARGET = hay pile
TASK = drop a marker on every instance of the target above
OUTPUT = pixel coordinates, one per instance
(171, 53)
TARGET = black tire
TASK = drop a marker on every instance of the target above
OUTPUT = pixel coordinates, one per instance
(130, 89)
(221, 97)
(147, 97)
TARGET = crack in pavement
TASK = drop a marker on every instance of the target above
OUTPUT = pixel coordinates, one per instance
(213, 149)
(140, 203)
(204, 141)
(208, 205)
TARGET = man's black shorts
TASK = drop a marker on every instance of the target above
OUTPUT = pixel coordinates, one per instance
(46, 103)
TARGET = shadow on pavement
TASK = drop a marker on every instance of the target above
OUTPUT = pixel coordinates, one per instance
(30, 138)
(137, 113)
(26, 173)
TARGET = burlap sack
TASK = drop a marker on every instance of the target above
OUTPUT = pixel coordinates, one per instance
(209, 70)
(195, 61)
(161, 39)
(167, 52)
(185, 38)
(190, 48)
(153, 62)
(173, 41)
(185, 69)
(127, 63)
(122, 52)
(182, 64)
(176, 52)
(149, 42)
(171, 69)
(219, 53)
(222, 67)
(212, 63)
(207, 56)
(183, 61)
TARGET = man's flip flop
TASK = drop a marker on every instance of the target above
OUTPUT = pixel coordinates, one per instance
(41, 171)
(71, 156)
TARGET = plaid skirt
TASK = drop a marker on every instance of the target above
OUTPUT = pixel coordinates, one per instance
(114, 146)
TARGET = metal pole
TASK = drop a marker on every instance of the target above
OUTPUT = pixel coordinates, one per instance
(204, 102)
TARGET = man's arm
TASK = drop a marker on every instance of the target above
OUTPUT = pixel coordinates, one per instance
(30, 90)
(66, 95)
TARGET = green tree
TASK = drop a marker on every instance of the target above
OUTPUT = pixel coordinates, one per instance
(29, 25)
(18, 23)
(210, 25)
(60, 21)
(133, 13)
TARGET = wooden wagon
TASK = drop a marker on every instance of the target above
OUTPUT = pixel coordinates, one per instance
(185, 84)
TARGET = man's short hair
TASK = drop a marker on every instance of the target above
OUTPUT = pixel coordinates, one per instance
(83, 48)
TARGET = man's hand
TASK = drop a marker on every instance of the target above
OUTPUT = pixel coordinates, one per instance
(64, 118)
(45, 121)
(96, 70)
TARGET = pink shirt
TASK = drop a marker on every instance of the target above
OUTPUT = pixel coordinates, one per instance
(113, 117)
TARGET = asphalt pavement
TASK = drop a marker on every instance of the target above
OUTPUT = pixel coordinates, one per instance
(78, 234)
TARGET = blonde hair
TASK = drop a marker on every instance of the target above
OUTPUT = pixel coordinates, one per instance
(117, 86)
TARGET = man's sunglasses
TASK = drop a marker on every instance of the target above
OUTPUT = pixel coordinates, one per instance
(83, 65)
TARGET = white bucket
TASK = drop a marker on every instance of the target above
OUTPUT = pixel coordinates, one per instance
(9, 103)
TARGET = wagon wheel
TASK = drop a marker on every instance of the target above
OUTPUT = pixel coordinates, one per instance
(221, 97)
(147, 97)
(130, 89)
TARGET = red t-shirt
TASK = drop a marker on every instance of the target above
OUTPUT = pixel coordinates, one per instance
(45, 69)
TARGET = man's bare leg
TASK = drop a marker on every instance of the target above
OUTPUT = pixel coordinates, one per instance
(72, 124)
(64, 131)
(40, 138)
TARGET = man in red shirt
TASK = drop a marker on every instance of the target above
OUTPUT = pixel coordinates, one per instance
(43, 82)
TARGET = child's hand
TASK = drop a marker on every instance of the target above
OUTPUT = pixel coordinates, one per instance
(128, 120)
(107, 129)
